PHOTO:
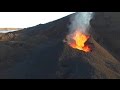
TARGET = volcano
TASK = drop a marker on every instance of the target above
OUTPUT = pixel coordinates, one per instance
(77, 40)
(41, 52)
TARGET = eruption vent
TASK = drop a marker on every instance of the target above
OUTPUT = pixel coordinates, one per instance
(78, 35)
(77, 40)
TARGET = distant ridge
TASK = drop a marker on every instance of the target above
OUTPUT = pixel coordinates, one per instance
(10, 28)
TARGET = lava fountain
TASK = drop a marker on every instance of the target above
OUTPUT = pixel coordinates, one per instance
(78, 31)
(78, 41)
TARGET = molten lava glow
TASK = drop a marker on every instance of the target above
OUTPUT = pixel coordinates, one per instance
(77, 40)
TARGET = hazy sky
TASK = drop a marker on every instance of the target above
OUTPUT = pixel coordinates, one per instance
(28, 19)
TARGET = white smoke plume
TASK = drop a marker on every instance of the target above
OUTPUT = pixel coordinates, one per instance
(81, 20)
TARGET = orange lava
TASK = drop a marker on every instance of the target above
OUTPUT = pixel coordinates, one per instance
(77, 40)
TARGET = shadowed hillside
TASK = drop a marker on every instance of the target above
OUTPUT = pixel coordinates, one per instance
(106, 26)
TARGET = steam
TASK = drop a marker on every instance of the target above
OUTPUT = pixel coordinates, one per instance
(81, 21)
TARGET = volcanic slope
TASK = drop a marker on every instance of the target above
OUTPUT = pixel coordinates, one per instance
(40, 53)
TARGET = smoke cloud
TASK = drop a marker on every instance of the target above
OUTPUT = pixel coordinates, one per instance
(81, 20)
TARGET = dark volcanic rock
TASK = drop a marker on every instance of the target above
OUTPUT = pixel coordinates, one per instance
(106, 28)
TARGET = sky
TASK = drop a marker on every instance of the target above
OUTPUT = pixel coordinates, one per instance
(28, 19)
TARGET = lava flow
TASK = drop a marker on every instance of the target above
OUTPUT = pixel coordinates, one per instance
(78, 40)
